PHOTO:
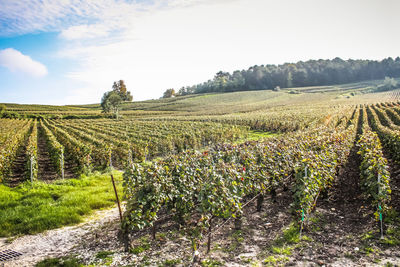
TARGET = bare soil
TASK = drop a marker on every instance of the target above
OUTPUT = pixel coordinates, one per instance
(333, 238)
(47, 170)
(19, 169)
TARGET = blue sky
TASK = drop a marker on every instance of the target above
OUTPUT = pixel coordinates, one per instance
(71, 51)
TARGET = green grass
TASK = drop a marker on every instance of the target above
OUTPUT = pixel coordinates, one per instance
(276, 260)
(236, 241)
(29, 210)
(284, 250)
(144, 244)
(290, 235)
(211, 263)
(60, 262)
(284, 245)
(104, 254)
(172, 262)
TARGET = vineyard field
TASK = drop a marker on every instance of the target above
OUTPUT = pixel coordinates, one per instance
(257, 177)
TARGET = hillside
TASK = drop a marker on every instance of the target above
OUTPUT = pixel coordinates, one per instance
(242, 178)
(220, 103)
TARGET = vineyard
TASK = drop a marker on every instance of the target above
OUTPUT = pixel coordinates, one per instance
(200, 191)
(197, 171)
(68, 147)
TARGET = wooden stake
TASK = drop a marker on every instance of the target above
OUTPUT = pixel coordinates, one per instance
(62, 165)
(110, 159)
(260, 201)
(209, 238)
(31, 169)
(154, 230)
(116, 196)
(380, 207)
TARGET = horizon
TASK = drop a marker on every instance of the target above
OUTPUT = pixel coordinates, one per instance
(71, 53)
(214, 92)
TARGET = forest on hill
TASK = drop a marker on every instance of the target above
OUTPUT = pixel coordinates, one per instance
(309, 73)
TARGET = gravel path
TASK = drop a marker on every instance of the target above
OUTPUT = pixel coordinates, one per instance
(55, 243)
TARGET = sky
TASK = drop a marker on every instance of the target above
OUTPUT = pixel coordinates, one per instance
(71, 51)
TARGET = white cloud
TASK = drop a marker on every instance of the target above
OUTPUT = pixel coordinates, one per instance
(27, 16)
(85, 32)
(187, 44)
(15, 61)
(158, 44)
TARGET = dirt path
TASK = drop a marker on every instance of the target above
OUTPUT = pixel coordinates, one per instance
(55, 243)
(343, 217)
(18, 171)
(47, 170)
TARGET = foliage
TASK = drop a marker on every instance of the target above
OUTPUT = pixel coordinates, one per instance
(111, 102)
(169, 93)
(318, 161)
(388, 84)
(123, 141)
(2, 109)
(300, 74)
(389, 137)
(120, 88)
(12, 134)
(375, 176)
(197, 187)
(31, 152)
(56, 150)
(77, 151)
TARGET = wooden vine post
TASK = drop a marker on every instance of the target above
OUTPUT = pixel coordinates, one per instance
(32, 170)
(116, 196)
(110, 158)
(62, 164)
(130, 158)
(154, 230)
(209, 237)
(379, 206)
(260, 201)
(302, 210)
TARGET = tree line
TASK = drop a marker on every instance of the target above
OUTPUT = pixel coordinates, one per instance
(309, 73)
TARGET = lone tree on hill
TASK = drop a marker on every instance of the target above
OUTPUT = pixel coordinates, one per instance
(120, 88)
(112, 100)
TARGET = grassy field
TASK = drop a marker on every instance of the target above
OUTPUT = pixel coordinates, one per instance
(29, 209)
